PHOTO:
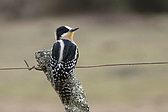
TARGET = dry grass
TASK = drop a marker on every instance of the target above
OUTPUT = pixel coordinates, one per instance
(126, 89)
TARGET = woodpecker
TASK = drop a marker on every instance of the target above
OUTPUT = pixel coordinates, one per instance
(59, 64)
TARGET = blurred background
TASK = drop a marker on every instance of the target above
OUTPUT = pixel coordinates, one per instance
(111, 31)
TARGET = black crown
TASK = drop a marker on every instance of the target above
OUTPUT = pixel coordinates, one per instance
(60, 31)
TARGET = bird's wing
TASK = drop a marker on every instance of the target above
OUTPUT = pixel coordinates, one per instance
(73, 53)
(55, 54)
(72, 57)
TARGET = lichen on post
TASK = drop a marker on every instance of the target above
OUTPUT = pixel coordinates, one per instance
(77, 101)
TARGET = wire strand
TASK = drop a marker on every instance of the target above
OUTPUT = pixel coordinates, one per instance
(124, 64)
(14, 68)
(89, 66)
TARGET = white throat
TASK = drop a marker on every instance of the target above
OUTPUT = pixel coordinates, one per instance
(63, 35)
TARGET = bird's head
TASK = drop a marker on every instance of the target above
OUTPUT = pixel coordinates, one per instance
(65, 32)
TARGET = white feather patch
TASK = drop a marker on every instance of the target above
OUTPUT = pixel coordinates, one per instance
(68, 27)
(76, 53)
(61, 50)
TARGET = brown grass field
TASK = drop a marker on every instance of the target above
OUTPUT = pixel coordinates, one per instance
(100, 40)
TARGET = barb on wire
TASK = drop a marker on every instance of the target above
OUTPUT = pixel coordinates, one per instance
(28, 67)
(22, 68)
(33, 67)
(89, 66)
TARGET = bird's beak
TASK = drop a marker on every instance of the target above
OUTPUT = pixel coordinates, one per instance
(74, 29)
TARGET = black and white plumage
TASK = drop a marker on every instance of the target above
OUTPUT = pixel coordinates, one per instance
(59, 68)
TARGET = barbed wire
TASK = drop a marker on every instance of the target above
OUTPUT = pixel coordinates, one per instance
(125, 64)
(89, 66)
